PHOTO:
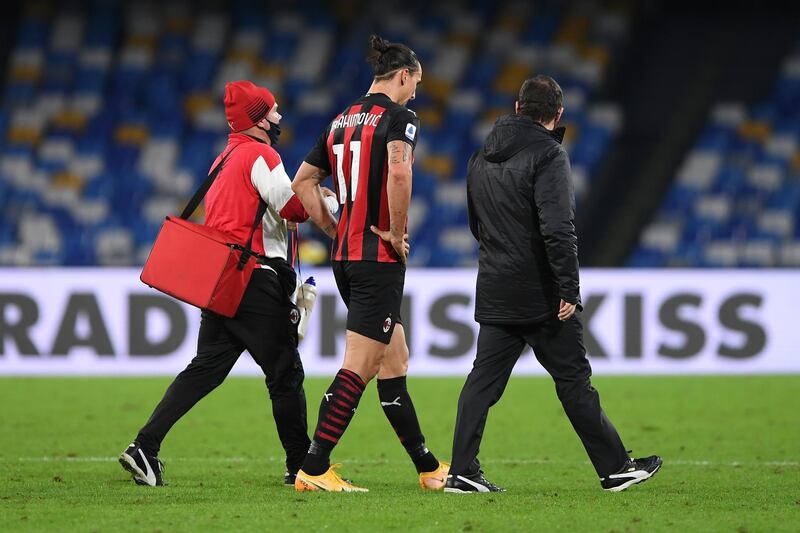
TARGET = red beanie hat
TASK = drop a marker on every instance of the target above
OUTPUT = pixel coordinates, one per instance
(246, 104)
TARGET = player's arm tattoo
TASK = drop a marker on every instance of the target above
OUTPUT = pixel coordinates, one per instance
(399, 152)
(316, 178)
(330, 230)
(394, 153)
(319, 176)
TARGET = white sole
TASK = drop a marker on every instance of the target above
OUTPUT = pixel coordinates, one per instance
(633, 481)
(459, 491)
(323, 489)
(130, 465)
(356, 490)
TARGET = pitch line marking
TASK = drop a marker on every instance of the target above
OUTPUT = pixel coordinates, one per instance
(680, 462)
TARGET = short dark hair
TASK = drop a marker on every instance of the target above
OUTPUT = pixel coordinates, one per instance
(387, 58)
(540, 98)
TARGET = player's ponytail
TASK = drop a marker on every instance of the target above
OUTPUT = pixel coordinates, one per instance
(387, 58)
(379, 44)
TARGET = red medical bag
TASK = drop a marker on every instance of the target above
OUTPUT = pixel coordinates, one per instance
(200, 265)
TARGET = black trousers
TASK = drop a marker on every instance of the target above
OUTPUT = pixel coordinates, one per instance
(559, 348)
(265, 325)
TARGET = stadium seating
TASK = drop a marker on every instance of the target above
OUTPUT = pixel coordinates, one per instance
(112, 112)
(736, 198)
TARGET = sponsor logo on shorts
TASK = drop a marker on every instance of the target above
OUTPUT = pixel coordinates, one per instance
(294, 316)
(387, 324)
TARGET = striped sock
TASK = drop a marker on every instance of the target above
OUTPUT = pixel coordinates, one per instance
(335, 412)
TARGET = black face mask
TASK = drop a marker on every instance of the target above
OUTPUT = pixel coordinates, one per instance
(273, 132)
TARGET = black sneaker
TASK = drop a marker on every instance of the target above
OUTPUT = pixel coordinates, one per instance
(145, 469)
(633, 472)
(467, 484)
(288, 478)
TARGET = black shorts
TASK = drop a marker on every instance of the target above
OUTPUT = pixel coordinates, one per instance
(373, 294)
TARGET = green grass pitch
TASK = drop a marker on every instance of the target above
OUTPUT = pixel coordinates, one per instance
(731, 448)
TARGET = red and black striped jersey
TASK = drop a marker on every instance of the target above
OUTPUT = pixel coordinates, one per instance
(352, 149)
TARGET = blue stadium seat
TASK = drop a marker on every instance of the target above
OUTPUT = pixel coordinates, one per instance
(756, 177)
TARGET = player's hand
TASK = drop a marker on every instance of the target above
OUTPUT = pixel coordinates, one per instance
(327, 192)
(566, 310)
(291, 226)
(400, 244)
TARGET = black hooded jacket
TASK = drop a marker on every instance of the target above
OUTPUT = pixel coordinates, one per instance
(521, 210)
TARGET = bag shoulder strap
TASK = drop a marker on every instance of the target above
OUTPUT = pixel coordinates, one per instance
(247, 251)
(262, 208)
(200, 193)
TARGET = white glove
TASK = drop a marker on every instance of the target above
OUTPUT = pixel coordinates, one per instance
(332, 204)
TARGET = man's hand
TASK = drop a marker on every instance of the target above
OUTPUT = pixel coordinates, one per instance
(566, 311)
(400, 244)
(326, 192)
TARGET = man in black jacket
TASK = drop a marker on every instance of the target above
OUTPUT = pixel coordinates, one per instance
(521, 211)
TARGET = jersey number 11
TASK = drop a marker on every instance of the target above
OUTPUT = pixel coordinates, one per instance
(355, 151)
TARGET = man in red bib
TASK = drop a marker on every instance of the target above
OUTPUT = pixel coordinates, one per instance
(266, 323)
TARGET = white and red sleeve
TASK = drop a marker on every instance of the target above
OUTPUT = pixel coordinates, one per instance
(275, 187)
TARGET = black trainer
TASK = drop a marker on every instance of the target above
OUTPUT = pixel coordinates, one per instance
(145, 469)
(288, 478)
(458, 484)
(633, 472)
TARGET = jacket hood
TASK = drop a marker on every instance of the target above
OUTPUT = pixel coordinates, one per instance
(512, 133)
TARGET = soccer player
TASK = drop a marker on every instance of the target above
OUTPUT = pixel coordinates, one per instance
(250, 171)
(521, 211)
(368, 148)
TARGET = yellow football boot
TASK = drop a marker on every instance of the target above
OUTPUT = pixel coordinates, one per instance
(330, 481)
(434, 480)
